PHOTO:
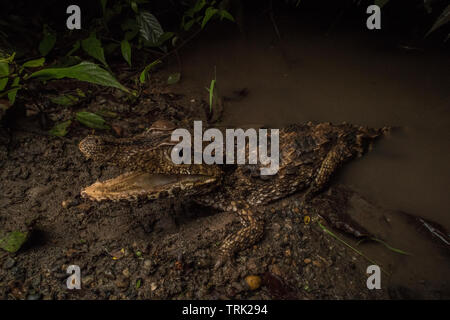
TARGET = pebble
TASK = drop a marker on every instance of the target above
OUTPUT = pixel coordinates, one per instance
(36, 296)
(67, 203)
(9, 263)
(122, 282)
(153, 286)
(147, 263)
(108, 274)
(253, 282)
(126, 273)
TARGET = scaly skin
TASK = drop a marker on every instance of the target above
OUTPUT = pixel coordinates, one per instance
(309, 155)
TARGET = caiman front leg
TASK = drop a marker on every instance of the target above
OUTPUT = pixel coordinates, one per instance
(252, 231)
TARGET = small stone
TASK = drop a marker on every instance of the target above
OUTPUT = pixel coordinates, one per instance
(126, 273)
(253, 282)
(153, 286)
(307, 261)
(67, 203)
(36, 296)
(108, 274)
(147, 263)
(9, 263)
(122, 282)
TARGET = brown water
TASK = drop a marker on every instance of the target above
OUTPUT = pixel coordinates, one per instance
(347, 77)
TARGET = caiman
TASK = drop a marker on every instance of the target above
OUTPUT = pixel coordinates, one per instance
(309, 155)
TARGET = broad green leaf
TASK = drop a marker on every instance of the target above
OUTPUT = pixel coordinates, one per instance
(34, 63)
(126, 51)
(48, 41)
(91, 120)
(13, 92)
(209, 13)
(93, 47)
(13, 241)
(443, 19)
(64, 100)
(60, 129)
(149, 26)
(4, 73)
(173, 78)
(143, 76)
(84, 71)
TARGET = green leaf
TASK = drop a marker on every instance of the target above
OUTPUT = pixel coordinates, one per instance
(4, 72)
(134, 7)
(84, 71)
(106, 113)
(9, 59)
(174, 78)
(143, 76)
(126, 51)
(91, 120)
(164, 37)
(188, 25)
(138, 283)
(149, 26)
(443, 19)
(225, 14)
(209, 13)
(93, 47)
(64, 100)
(13, 241)
(211, 93)
(60, 129)
(48, 41)
(34, 63)
(391, 248)
(13, 92)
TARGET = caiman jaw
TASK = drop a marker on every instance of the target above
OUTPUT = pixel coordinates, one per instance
(139, 185)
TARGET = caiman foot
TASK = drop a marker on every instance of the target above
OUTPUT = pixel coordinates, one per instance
(245, 237)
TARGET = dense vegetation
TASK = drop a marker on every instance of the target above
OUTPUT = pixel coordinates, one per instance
(36, 46)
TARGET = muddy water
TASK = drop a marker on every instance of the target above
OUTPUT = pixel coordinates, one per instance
(346, 76)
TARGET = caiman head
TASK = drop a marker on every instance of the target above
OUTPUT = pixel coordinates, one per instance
(150, 171)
